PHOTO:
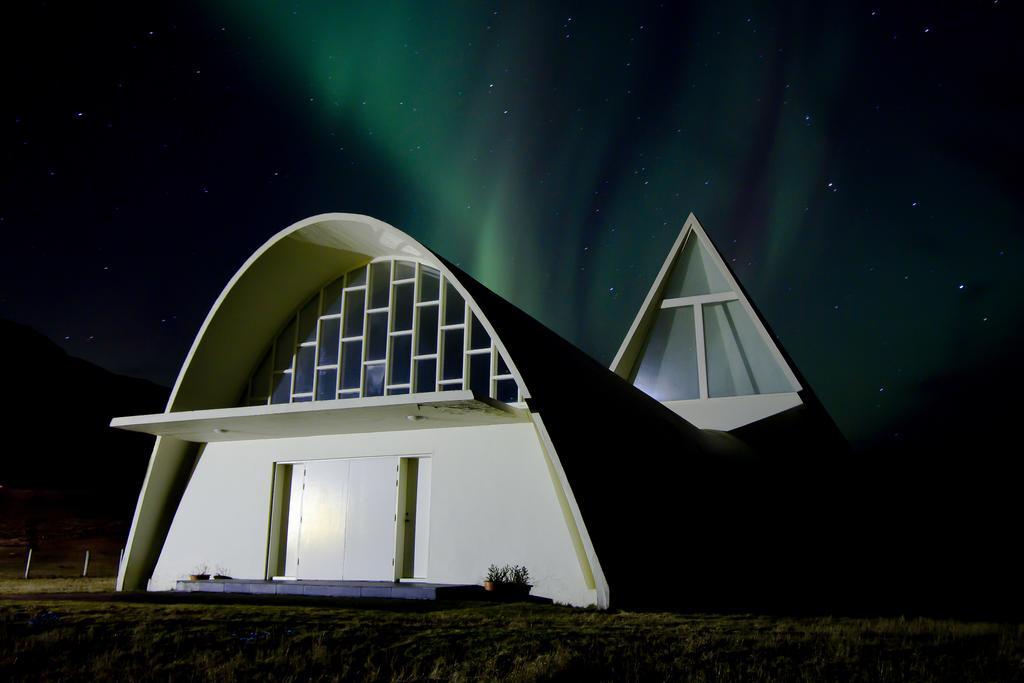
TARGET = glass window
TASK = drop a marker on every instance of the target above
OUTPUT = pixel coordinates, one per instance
(332, 297)
(354, 302)
(285, 347)
(282, 388)
(478, 338)
(351, 364)
(304, 369)
(506, 391)
(311, 361)
(426, 335)
(426, 374)
(356, 278)
(402, 304)
(738, 359)
(329, 335)
(374, 384)
(307, 320)
(326, 384)
(405, 270)
(668, 365)
(430, 284)
(480, 373)
(502, 366)
(401, 359)
(454, 306)
(301, 399)
(377, 335)
(695, 272)
(395, 391)
(380, 282)
(453, 353)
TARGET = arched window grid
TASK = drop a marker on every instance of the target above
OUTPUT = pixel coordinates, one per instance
(389, 327)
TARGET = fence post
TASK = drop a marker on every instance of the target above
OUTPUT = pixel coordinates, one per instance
(28, 562)
(85, 569)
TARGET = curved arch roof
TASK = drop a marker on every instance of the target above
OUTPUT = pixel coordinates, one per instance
(279, 276)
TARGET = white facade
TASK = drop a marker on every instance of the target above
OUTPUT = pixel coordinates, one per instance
(215, 495)
(492, 500)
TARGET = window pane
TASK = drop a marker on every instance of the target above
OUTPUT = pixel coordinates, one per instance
(282, 388)
(304, 360)
(398, 390)
(329, 331)
(480, 374)
(349, 394)
(502, 367)
(302, 399)
(404, 270)
(260, 387)
(426, 375)
(285, 347)
(668, 365)
(307, 320)
(454, 307)
(478, 339)
(402, 305)
(380, 281)
(430, 284)
(377, 336)
(695, 273)
(326, 384)
(426, 336)
(401, 359)
(739, 361)
(356, 278)
(374, 385)
(452, 366)
(332, 297)
(451, 387)
(506, 391)
(354, 302)
(351, 363)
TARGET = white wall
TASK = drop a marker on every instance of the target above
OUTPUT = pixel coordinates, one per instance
(492, 501)
(732, 412)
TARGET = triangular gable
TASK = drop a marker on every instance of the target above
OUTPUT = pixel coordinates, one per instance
(699, 346)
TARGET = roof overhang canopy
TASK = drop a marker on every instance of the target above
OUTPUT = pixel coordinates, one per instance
(435, 410)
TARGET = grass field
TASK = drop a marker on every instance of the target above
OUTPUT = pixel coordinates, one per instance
(63, 639)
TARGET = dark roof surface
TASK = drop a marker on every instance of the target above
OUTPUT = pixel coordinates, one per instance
(658, 495)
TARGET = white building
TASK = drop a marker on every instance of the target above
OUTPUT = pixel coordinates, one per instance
(354, 407)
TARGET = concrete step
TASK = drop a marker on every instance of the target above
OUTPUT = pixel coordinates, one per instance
(327, 589)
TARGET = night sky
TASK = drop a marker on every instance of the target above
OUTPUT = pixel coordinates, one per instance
(855, 163)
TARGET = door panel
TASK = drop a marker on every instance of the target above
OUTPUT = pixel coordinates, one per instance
(321, 547)
(419, 562)
(370, 534)
(291, 553)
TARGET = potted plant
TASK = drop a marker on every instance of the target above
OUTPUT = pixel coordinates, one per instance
(513, 580)
(200, 573)
(495, 576)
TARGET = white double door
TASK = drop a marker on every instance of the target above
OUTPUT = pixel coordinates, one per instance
(341, 519)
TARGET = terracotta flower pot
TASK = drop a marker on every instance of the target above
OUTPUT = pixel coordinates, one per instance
(199, 577)
(490, 586)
